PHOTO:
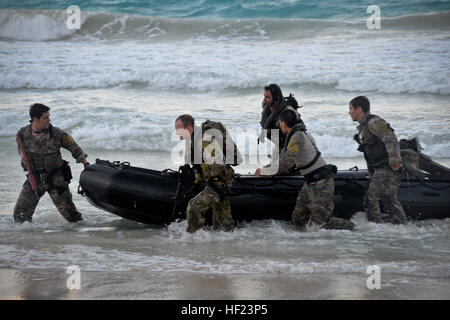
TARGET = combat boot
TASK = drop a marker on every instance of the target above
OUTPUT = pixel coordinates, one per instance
(335, 223)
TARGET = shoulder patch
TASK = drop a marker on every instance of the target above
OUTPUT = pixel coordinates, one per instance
(293, 147)
(380, 126)
(67, 140)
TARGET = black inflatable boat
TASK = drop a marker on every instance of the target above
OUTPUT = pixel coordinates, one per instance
(153, 197)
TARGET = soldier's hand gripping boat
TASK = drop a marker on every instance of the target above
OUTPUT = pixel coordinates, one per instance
(160, 197)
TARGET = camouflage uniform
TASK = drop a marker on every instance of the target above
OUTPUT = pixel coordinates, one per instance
(219, 177)
(269, 120)
(381, 150)
(315, 200)
(46, 162)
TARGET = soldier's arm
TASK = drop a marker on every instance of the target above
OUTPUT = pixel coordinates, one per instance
(67, 142)
(382, 130)
(287, 158)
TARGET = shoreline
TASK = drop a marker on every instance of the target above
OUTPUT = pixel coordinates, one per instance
(32, 284)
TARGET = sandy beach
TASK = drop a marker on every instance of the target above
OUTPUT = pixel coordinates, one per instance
(52, 284)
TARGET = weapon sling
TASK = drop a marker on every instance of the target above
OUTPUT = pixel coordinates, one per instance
(27, 163)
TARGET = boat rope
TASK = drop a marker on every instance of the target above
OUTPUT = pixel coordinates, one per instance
(119, 164)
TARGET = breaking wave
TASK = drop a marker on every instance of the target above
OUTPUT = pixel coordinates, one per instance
(44, 25)
(103, 128)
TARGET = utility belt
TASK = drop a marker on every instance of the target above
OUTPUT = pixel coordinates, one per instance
(323, 172)
(43, 176)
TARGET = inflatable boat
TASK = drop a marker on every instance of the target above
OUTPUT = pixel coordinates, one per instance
(160, 197)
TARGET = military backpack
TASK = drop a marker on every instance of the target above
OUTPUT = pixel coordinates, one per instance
(409, 150)
(230, 151)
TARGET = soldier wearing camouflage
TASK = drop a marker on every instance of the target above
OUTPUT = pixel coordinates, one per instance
(381, 150)
(217, 177)
(315, 201)
(50, 170)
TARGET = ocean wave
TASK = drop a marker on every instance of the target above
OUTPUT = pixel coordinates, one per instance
(309, 53)
(201, 70)
(220, 80)
(45, 25)
(102, 128)
(240, 9)
(34, 25)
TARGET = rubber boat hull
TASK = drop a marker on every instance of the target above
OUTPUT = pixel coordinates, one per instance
(147, 196)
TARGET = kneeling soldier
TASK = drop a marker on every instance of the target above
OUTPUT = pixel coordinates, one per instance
(315, 200)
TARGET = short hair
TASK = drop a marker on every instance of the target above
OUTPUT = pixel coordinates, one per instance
(186, 120)
(361, 101)
(289, 117)
(275, 90)
(37, 109)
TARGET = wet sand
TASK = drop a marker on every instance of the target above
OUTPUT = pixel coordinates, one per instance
(52, 284)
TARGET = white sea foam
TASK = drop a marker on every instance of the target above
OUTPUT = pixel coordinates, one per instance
(389, 62)
(43, 25)
(34, 25)
(213, 67)
(258, 247)
(121, 129)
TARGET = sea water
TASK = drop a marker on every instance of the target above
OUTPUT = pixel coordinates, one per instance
(118, 83)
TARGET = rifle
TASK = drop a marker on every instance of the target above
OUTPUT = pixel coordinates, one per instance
(27, 163)
(184, 188)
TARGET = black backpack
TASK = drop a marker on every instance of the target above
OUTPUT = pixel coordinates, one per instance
(409, 151)
(291, 101)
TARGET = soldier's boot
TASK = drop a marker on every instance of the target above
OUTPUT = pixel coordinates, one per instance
(75, 217)
(397, 217)
(300, 217)
(192, 228)
(373, 210)
(22, 217)
(225, 225)
(335, 223)
(395, 213)
(398, 214)
(373, 217)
